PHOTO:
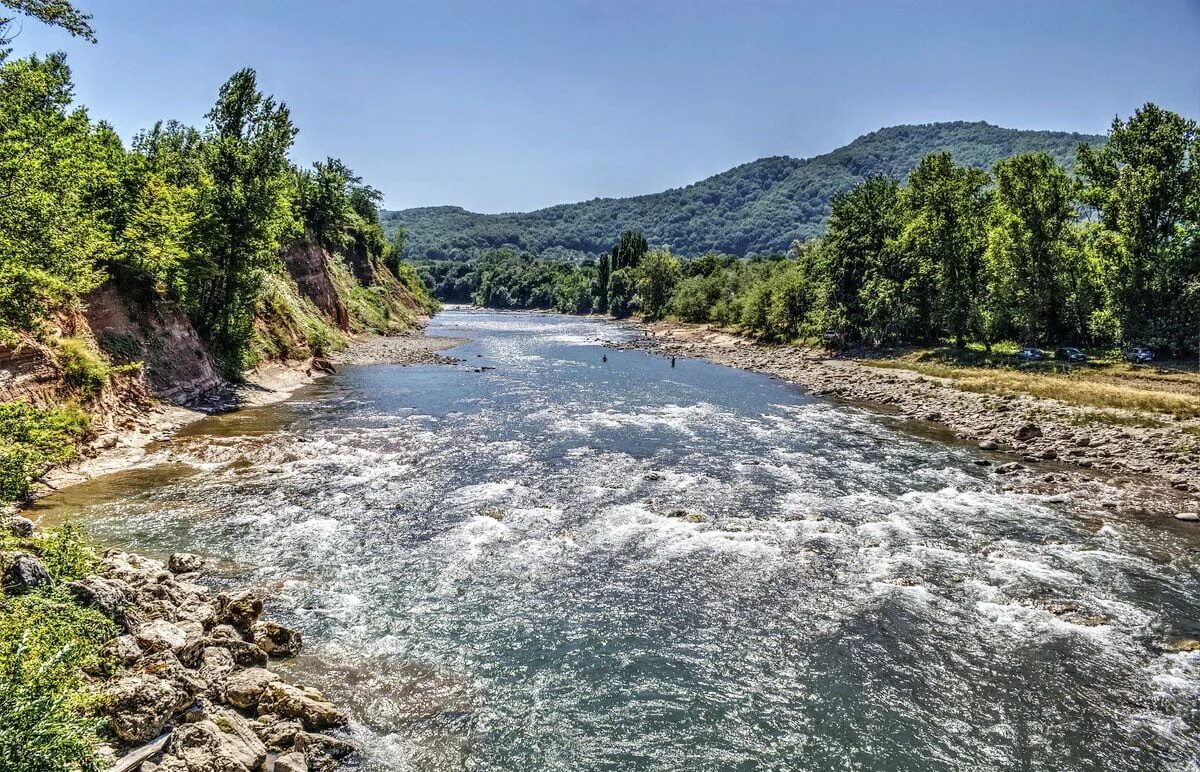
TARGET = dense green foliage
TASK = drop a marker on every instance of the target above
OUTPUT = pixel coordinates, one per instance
(757, 208)
(31, 440)
(198, 215)
(1026, 252)
(47, 641)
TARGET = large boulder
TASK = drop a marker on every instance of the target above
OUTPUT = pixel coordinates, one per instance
(160, 635)
(109, 596)
(244, 653)
(239, 610)
(322, 752)
(277, 733)
(277, 640)
(21, 527)
(23, 572)
(140, 702)
(187, 563)
(291, 762)
(216, 665)
(245, 688)
(307, 705)
(124, 650)
(205, 746)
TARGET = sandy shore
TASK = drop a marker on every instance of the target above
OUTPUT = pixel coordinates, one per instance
(273, 382)
(1041, 444)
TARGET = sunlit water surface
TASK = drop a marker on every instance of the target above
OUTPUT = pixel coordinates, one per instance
(487, 571)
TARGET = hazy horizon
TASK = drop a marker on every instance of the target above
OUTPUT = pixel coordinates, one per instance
(515, 108)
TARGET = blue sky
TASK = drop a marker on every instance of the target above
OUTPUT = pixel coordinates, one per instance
(503, 106)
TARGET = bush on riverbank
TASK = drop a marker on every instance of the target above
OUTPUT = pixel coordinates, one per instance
(32, 439)
(48, 716)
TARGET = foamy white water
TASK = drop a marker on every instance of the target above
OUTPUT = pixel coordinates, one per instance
(565, 563)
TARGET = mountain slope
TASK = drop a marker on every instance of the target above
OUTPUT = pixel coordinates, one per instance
(758, 207)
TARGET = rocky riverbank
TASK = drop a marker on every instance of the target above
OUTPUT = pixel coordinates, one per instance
(185, 686)
(1051, 446)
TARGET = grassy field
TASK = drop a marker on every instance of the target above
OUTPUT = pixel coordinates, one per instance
(1166, 388)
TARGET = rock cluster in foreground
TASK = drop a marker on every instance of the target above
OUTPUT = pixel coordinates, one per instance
(193, 693)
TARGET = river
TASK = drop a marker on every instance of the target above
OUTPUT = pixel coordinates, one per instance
(575, 564)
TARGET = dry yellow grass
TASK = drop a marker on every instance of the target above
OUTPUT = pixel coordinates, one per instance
(1077, 388)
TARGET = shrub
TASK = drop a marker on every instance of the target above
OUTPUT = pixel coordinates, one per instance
(48, 721)
(82, 367)
(32, 439)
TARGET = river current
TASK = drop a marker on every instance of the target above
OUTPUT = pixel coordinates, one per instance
(575, 564)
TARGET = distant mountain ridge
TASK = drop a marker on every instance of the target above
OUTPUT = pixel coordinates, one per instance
(755, 208)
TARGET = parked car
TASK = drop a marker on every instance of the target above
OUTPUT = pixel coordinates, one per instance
(1139, 355)
(1030, 354)
(1070, 354)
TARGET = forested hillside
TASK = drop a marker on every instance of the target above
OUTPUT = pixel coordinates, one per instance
(757, 208)
(955, 253)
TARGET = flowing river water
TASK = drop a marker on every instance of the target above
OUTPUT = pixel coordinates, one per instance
(572, 564)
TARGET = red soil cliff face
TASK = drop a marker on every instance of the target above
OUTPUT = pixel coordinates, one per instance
(130, 324)
(308, 265)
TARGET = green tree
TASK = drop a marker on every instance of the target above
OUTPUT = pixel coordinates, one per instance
(864, 224)
(657, 273)
(57, 13)
(51, 237)
(629, 250)
(944, 238)
(1144, 183)
(622, 292)
(1031, 247)
(244, 213)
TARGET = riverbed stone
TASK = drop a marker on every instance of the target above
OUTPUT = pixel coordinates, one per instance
(989, 445)
(1027, 432)
(24, 572)
(1190, 517)
(277, 640)
(160, 635)
(308, 706)
(239, 610)
(21, 527)
(186, 563)
(245, 688)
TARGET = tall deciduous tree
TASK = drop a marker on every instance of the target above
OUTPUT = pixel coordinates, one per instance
(51, 236)
(1144, 183)
(859, 245)
(243, 213)
(1031, 247)
(946, 210)
(657, 274)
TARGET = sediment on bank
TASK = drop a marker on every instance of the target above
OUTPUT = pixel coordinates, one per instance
(1157, 467)
(182, 681)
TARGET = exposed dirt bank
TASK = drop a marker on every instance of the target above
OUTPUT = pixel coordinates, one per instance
(1051, 445)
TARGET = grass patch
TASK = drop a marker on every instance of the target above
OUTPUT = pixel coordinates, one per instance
(48, 716)
(1075, 387)
(290, 326)
(82, 367)
(1107, 418)
(32, 439)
